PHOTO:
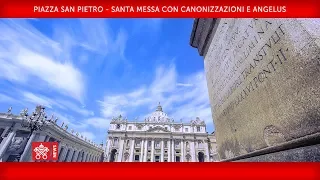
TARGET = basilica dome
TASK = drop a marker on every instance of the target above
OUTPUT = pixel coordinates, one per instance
(158, 116)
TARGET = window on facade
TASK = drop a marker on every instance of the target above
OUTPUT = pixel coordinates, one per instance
(115, 141)
(130, 127)
(136, 158)
(158, 144)
(137, 150)
(177, 152)
(118, 126)
(137, 143)
(157, 158)
(149, 151)
(165, 144)
(186, 129)
(177, 158)
(165, 160)
(149, 160)
(139, 128)
(128, 141)
(149, 143)
(165, 151)
(177, 144)
(166, 128)
(198, 129)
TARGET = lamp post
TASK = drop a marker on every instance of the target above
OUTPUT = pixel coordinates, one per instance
(34, 122)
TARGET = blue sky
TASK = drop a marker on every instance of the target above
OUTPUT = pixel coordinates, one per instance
(85, 71)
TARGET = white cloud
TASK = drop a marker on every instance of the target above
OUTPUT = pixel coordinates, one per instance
(68, 120)
(28, 56)
(38, 100)
(98, 122)
(52, 103)
(185, 100)
(184, 84)
(75, 108)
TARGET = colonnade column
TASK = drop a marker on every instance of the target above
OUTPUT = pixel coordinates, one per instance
(7, 143)
(27, 147)
(70, 155)
(76, 155)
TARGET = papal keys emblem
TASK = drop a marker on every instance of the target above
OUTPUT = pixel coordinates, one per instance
(41, 152)
(45, 151)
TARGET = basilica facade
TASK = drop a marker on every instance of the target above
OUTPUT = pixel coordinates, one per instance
(159, 139)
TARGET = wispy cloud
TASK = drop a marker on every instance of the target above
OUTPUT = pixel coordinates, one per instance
(183, 100)
(26, 56)
(184, 84)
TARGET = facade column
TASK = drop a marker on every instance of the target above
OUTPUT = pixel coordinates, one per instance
(182, 151)
(7, 143)
(145, 150)
(172, 151)
(152, 150)
(141, 150)
(27, 147)
(207, 152)
(169, 151)
(108, 149)
(131, 150)
(162, 151)
(120, 150)
(192, 151)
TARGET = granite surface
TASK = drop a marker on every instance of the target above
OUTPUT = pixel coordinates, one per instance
(263, 78)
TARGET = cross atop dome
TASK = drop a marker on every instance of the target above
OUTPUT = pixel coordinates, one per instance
(159, 108)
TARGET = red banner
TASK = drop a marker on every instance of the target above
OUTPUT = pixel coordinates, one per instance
(163, 8)
(195, 171)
